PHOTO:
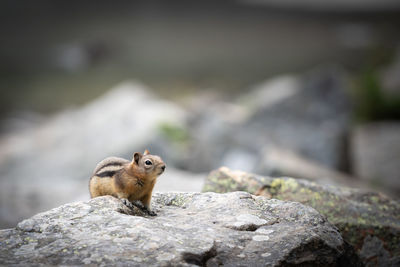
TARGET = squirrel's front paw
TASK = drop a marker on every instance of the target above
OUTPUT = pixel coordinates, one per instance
(138, 204)
(151, 213)
(127, 203)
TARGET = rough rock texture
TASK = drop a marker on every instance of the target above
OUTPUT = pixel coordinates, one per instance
(206, 229)
(368, 221)
(376, 154)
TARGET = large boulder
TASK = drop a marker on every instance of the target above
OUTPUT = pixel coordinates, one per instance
(191, 229)
(368, 221)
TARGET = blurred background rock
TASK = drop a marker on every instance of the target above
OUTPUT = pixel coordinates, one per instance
(282, 88)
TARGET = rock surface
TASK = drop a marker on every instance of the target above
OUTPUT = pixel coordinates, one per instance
(376, 154)
(191, 229)
(368, 221)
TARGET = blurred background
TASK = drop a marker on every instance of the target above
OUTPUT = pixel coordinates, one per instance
(308, 89)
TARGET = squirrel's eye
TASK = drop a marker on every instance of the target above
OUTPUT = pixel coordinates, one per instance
(148, 162)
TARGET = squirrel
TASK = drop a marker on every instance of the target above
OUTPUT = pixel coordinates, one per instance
(130, 181)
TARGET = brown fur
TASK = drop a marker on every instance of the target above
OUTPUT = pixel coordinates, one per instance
(132, 180)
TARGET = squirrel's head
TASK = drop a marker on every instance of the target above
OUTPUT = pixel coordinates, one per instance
(151, 165)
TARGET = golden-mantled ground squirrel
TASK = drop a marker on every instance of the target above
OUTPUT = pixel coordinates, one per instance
(127, 180)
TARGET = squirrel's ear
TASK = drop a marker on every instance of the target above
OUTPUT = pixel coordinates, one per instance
(146, 152)
(136, 157)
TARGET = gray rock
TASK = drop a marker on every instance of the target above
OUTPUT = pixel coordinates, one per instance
(211, 131)
(191, 229)
(311, 118)
(368, 221)
(308, 115)
(36, 164)
(374, 253)
(376, 155)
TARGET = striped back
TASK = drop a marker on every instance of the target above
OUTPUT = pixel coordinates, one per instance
(109, 166)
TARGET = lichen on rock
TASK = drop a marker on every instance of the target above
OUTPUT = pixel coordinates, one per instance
(362, 217)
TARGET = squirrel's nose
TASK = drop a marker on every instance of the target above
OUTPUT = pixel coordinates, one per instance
(163, 167)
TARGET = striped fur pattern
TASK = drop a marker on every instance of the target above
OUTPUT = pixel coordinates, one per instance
(109, 166)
